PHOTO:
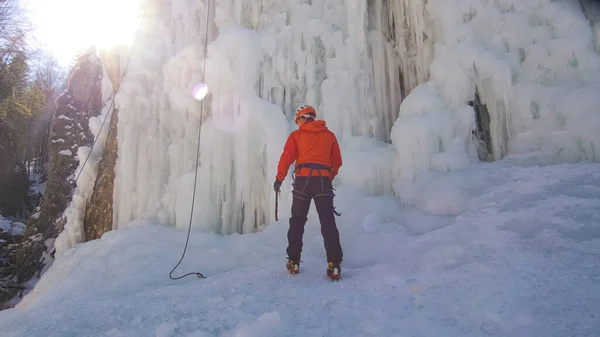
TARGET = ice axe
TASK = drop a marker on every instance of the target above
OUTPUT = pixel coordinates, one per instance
(276, 204)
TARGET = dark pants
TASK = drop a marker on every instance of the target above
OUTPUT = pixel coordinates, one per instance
(320, 189)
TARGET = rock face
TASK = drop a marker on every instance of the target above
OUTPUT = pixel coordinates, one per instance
(99, 209)
(11, 235)
(98, 217)
(81, 100)
(591, 9)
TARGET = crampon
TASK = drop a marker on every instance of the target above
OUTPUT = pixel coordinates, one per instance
(334, 271)
(293, 267)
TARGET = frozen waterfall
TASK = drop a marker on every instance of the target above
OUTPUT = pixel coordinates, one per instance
(532, 64)
(263, 61)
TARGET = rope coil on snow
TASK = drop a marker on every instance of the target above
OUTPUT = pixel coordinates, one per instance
(197, 152)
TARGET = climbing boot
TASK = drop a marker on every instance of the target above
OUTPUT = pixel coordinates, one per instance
(334, 271)
(293, 266)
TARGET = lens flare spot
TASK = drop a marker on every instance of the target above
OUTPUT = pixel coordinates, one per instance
(200, 91)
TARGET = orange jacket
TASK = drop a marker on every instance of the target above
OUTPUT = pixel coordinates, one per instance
(311, 143)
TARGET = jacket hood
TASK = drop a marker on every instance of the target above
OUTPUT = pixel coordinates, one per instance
(314, 126)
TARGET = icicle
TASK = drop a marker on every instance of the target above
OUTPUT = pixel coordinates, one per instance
(534, 67)
(337, 55)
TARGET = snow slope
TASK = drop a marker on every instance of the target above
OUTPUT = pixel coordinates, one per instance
(520, 258)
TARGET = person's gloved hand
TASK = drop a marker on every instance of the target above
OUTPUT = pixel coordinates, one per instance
(277, 185)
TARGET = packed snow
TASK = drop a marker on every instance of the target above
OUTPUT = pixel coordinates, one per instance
(66, 153)
(521, 259)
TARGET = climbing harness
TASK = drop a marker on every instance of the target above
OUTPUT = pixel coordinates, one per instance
(312, 167)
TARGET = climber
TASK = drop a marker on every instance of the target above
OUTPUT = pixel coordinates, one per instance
(317, 155)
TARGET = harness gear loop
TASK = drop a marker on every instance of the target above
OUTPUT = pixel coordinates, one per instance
(312, 167)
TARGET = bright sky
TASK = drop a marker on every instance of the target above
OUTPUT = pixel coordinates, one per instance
(66, 26)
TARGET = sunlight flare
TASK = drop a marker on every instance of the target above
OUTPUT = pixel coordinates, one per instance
(64, 27)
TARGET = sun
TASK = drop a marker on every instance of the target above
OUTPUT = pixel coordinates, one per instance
(64, 27)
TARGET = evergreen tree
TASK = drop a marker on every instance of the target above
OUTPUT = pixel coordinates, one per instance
(29, 84)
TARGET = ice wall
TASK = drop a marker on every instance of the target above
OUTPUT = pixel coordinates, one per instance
(344, 57)
(264, 59)
(532, 63)
(535, 68)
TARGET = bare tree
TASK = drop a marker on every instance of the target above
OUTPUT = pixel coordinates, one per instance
(14, 28)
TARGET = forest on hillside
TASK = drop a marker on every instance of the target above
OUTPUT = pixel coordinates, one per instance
(30, 81)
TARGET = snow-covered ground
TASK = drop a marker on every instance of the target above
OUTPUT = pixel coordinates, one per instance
(12, 227)
(521, 258)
